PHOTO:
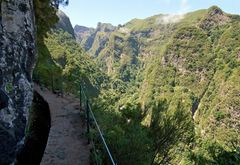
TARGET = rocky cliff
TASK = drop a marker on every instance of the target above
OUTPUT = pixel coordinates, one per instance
(64, 23)
(94, 40)
(17, 59)
(82, 33)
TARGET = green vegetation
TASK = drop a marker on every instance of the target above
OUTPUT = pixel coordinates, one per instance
(166, 93)
(63, 65)
(173, 90)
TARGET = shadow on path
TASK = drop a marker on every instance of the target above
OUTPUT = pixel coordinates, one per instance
(66, 143)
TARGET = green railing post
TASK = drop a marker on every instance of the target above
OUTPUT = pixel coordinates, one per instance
(88, 122)
(52, 82)
(88, 111)
(80, 96)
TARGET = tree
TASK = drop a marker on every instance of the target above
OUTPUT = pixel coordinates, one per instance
(169, 127)
(45, 13)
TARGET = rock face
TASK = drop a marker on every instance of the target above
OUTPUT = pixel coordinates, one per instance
(82, 32)
(17, 60)
(213, 18)
(94, 40)
(64, 23)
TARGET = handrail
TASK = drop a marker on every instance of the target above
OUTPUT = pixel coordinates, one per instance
(89, 109)
(101, 135)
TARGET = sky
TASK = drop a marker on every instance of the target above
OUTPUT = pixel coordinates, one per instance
(90, 12)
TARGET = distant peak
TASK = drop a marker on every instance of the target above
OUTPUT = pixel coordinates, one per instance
(215, 10)
(214, 17)
(64, 23)
(105, 27)
(82, 29)
(80, 26)
(100, 24)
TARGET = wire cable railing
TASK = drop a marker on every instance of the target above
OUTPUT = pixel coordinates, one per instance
(84, 104)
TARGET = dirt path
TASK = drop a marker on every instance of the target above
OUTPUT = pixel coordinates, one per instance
(66, 143)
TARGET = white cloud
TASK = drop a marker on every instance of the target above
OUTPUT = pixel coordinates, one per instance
(169, 18)
(177, 16)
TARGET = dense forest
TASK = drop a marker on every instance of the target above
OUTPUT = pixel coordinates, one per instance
(164, 92)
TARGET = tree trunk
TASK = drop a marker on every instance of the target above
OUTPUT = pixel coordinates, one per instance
(17, 60)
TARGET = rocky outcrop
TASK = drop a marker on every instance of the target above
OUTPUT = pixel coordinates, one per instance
(215, 17)
(105, 27)
(17, 59)
(64, 23)
(82, 32)
(94, 40)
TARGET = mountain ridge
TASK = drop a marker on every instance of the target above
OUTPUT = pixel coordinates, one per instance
(169, 84)
(166, 69)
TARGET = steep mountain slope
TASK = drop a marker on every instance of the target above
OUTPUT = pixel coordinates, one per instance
(82, 33)
(62, 63)
(176, 79)
(94, 40)
(171, 94)
(64, 23)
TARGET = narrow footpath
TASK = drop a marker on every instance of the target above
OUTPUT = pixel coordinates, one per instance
(67, 144)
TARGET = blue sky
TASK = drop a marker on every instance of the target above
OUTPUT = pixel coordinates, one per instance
(90, 12)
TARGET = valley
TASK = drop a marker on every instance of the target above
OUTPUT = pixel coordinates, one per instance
(164, 92)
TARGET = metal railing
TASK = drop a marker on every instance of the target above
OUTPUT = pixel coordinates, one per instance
(84, 104)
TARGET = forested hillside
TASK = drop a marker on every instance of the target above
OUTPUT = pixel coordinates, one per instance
(166, 89)
(62, 63)
(173, 96)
